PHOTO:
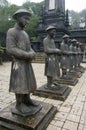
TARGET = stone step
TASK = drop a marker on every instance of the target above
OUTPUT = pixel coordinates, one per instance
(40, 57)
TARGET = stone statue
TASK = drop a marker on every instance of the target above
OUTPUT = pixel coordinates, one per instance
(65, 55)
(71, 49)
(79, 56)
(52, 70)
(81, 53)
(75, 52)
(78, 52)
(22, 80)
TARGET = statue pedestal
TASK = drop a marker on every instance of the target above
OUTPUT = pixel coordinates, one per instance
(59, 94)
(38, 121)
(80, 69)
(68, 80)
(75, 74)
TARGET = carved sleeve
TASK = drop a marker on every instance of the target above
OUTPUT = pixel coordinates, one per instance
(12, 48)
(47, 48)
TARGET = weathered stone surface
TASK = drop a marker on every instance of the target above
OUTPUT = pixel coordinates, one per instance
(39, 121)
(32, 110)
(75, 103)
(59, 94)
(75, 74)
(80, 69)
(68, 81)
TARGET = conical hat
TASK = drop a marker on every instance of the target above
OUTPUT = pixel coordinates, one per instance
(50, 27)
(21, 11)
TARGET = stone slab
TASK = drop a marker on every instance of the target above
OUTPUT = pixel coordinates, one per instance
(60, 94)
(79, 69)
(39, 121)
(75, 74)
(32, 110)
(68, 81)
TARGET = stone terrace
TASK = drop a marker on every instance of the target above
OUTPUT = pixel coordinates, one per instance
(71, 113)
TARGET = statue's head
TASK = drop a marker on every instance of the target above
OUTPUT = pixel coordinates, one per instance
(66, 38)
(74, 42)
(79, 44)
(22, 17)
(21, 12)
(51, 30)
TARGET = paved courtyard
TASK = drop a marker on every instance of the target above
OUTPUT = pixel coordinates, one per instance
(71, 113)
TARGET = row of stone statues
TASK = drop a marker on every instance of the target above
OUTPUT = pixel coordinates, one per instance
(70, 55)
(22, 80)
(26, 113)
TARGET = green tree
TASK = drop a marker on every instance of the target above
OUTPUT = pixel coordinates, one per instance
(74, 19)
(7, 22)
(31, 28)
(4, 3)
(83, 13)
(7, 11)
(35, 7)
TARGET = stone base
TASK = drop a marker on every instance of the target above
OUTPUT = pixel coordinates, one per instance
(68, 81)
(75, 74)
(60, 94)
(32, 110)
(39, 121)
(79, 69)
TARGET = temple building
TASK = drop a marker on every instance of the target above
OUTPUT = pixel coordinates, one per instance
(54, 14)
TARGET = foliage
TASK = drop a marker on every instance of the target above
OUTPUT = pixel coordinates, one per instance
(1, 49)
(7, 22)
(35, 7)
(74, 18)
(83, 13)
(5, 25)
(77, 18)
(31, 28)
(4, 3)
(6, 12)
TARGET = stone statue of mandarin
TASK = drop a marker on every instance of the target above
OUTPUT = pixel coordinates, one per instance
(71, 56)
(76, 53)
(52, 70)
(22, 80)
(65, 55)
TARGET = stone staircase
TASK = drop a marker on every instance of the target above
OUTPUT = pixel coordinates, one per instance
(40, 57)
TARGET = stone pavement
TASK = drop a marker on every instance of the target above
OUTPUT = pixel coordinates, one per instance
(71, 113)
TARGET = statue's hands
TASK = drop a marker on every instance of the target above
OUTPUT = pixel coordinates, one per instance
(75, 53)
(58, 51)
(32, 55)
(82, 53)
(65, 53)
(70, 52)
(79, 53)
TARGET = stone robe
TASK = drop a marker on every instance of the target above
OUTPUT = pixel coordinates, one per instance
(64, 56)
(75, 56)
(79, 51)
(51, 61)
(22, 79)
(71, 55)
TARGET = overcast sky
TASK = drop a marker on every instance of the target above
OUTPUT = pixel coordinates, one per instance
(76, 5)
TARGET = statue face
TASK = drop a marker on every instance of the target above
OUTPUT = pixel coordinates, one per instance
(23, 21)
(52, 33)
(66, 40)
